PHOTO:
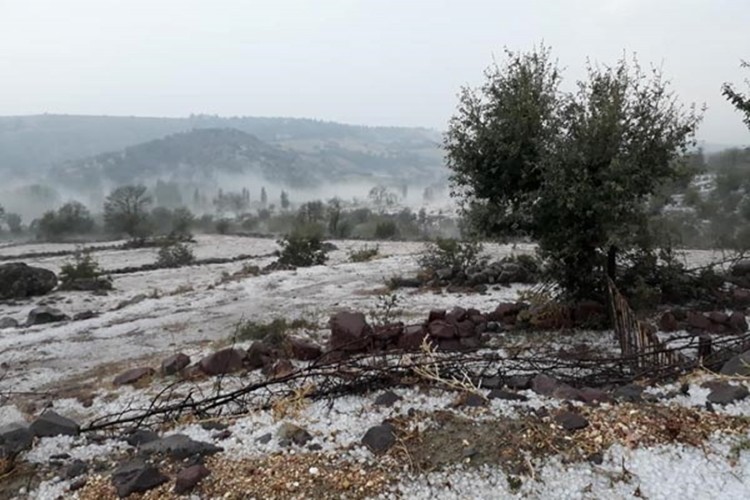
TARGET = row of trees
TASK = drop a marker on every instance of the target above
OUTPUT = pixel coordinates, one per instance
(575, 171)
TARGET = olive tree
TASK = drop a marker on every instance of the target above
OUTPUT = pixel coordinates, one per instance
(573, 170)
(126, 211)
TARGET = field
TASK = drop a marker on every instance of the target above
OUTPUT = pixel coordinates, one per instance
(448, 445)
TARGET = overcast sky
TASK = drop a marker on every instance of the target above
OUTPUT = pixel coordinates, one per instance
(376, 62)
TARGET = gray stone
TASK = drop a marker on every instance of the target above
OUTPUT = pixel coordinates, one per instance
(51, 423)
(76, 468)
(133, 375)
(379, 439)
(737, 365)
(630, 393)
(571, 421)
(179, 447)
(189, 477)
(349, 332)
(16, 437)
(141, 436)
(44, 314)
(136, 477)
(174, 363)
(294, 434)
(387, 399)
(725, 393)
(18, 281)
(221, 362)
(506, 395)
(8, 322)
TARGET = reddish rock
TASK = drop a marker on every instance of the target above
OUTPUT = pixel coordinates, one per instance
(224, 361)
(470, 342)
(737, 322)
(281, 368)
(260, 354)
(589, 312)
(466, 329)
(591, 395)
(442, 330)
(388, 332)
(349, 332)
(668, 322)
(741, 296)
(174, 363)
(436, 314)
(133, 375)
(505, 310)
(698, 321)
(719, 317)
(412, 337)
(302, 349)
(450, 345)
(456, 315)
(718, 329)
(188, 478)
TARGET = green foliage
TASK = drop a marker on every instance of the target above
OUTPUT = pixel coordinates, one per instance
(222, 226)
(386, 230)
(573, 170)
(71, 219)
(126, 211)
(739, 100)
(272, 332)
(14, 222)
(175, 255)
(298, 250)
(83, 269)
(364, 254)
(449, 253)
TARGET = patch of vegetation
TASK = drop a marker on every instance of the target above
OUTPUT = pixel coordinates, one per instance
(364, 254)
(273, 332)
(175, 255)
(448, 253)
(301, 251)
(83, 273)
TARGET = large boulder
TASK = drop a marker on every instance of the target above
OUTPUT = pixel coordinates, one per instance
(50, 424)
(15, 437)
(44, 314)
(741, 268)
(349, 332)
(224, 361)
(739, 365)
(18, 280)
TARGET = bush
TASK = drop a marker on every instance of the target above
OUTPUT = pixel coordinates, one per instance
(175, 255)
(448, 253)
(386, 230)
(83, 273)
(302, 251)
(71, 219)
(364, 254)
(272, 333)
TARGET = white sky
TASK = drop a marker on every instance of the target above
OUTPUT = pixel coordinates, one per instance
(376, 62)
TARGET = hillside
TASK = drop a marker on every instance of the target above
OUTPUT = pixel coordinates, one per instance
(32, 145)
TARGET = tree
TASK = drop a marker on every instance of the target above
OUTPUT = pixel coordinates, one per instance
(284, 200)
(382, 197)
(573, 170)
(71, 219)
(14, 222)
(263, 196)
(126, 211)
(739, 100)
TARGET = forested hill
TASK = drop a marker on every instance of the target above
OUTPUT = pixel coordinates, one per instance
(35, 144)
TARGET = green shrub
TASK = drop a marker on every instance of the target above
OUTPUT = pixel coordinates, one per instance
(364, 254)
(83, 273)
(386, 230)
(301, 251)
(448, 253)
(175, 255)
(272, 333)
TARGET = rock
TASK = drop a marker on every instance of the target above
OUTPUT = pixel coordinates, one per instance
(506, 395)
(84, 315)
(718, 317)
(725, 393)
(737, 322)
(630, 393)
(571, 421)
(698, 321)
(213, 425)
(466, 329)
(544, 385)
(45, 314)
(379, 439)
(505, 310)
(18, 281)
(141, 436)
(740, 268)
(741, 296)
(78, 483)
(280, 368)
(412, 338)
(189, 477)
(301, 349)
(133, 375)
(388, 332)
(518, 382)
(265, 438)
(174, 363)
(8, 322)
(224, 361)
(293, 433)
(590, 395)
(737, 365)
(494, 382)
(450, 345)
(589, 313)
(456, 315)
(260, 354)
(668, 323)
(15, 437)
(131, 301)
(387, 399)
(75, 469)
(349, 332)
(179, 447)
(469, 342)
(136, 477)
(436, 314)
(472, 400)
(50, 424)
(442, 329)
(87, 284)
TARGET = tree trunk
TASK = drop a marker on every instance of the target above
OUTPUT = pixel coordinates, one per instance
(612, 262)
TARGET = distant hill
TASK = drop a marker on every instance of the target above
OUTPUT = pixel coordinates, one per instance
(121, 148)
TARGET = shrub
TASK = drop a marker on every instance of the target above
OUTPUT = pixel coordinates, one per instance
(301, 251)
(364, 254)
(386, 230)
(83, 273)
(175, 255)
(272, 333)
(448, 253)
